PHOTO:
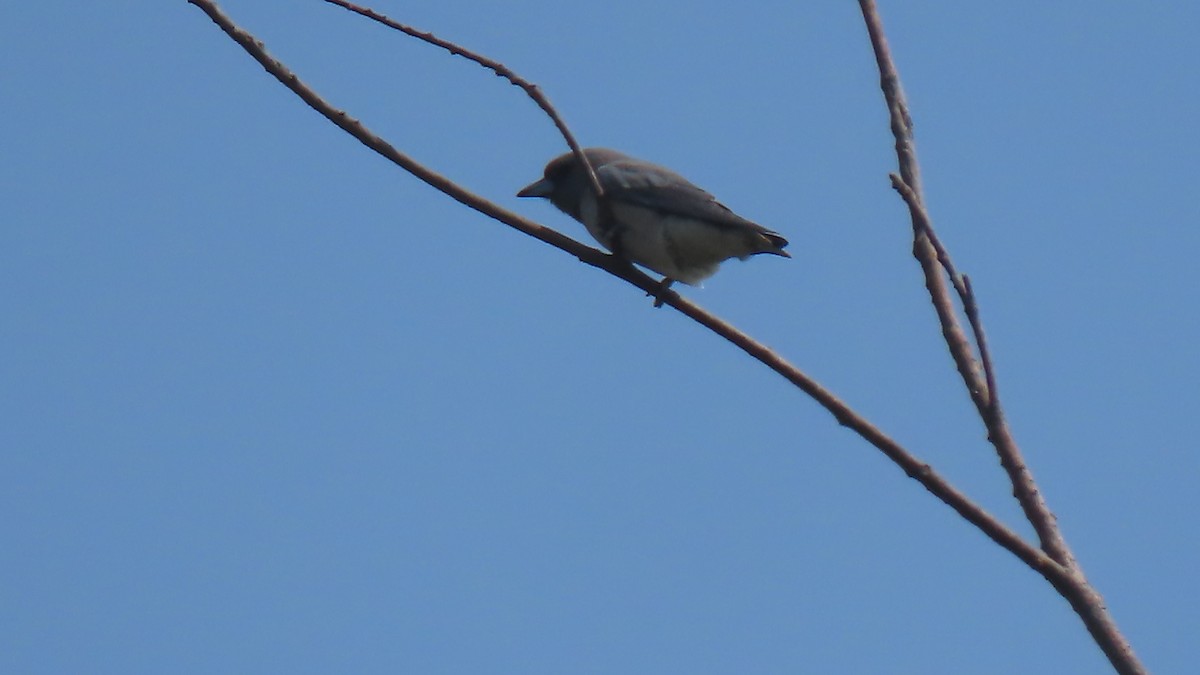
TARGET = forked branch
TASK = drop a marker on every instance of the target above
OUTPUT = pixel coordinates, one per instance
(980, 381)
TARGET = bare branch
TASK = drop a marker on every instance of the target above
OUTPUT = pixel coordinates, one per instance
(889, 82)
(971, 307)
(534, 91)
(960, 347)
(1073, 586)
(846, 416)
(1024, 488)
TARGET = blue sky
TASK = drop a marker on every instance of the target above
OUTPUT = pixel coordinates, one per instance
(272, 405)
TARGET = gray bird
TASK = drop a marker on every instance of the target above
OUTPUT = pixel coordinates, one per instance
(659, 219)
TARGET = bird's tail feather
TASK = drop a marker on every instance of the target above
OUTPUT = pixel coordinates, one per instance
(777, 244)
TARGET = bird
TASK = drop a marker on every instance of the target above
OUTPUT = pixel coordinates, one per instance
(656, 217)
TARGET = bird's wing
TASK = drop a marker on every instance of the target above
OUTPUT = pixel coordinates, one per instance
(660, 189)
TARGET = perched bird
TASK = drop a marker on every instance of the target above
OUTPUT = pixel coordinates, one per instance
(657, 218)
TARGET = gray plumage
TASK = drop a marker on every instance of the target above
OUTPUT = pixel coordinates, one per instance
(659, 220)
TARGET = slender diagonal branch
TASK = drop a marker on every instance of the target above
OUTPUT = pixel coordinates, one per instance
(534, 91)
(889, 82)
(843, 413)
(952, 331)
(971, 307)
(1024, 488)
(1074, 587)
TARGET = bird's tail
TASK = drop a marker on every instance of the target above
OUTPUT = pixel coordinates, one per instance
(776, 244)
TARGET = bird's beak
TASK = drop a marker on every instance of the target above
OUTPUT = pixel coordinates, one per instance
(541, 188)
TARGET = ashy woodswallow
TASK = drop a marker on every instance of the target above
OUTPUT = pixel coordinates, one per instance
(658, 220)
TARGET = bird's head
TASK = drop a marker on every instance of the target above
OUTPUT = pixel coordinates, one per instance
(565, 181)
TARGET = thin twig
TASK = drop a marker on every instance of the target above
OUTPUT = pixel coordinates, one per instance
(844, 414)
(943, 257)
(952, 331)
(971, 308)
(1024, 488)
(1073, 586)
(893, 94)
(534, 91)
(982, 387)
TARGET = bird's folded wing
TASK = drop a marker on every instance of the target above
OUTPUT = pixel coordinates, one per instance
(653, 187)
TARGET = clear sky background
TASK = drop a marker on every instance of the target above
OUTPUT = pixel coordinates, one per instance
(269, 404)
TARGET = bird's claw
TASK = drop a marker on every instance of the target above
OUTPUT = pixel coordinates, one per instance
(660, 292)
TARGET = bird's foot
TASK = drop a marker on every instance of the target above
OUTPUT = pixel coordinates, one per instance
(660, 292)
